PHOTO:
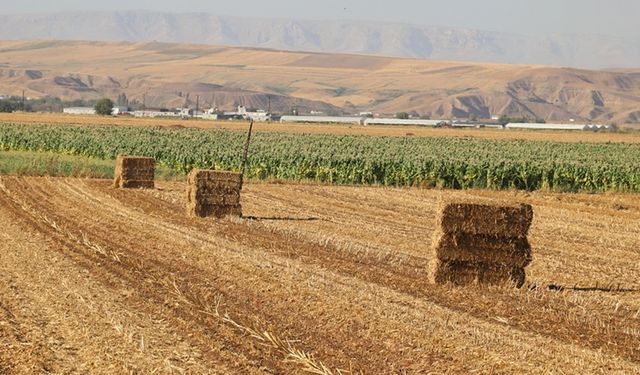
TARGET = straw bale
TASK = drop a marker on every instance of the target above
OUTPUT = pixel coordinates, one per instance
(214, 193)
(136, 184)
(511, 251)
(457, 273)
(499, 275)
(481, 273)
(196, 209)
(216, 188)
(485, 218)
(231, 199)
(134, 172)
(203, 177)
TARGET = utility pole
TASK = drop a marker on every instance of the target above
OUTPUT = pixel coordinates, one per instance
(246, 150)
(22, 103)
(197, 104)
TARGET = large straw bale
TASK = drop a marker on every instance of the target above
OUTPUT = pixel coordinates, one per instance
(204, 177)
(499, 275)
(463, 273)
(217, 211)
(214, 193)
(488, 219)
(456, 273)
(482, 242)
(134, 172)
(511, 251)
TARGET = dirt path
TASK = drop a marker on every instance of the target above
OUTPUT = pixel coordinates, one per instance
(323, 280)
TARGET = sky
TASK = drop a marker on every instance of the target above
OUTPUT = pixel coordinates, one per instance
(533, 17)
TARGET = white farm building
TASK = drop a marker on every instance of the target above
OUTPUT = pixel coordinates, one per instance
(322, 119)
(119, 110)
(414, 122)
(155, 113)
(79, 111)
(535, 126)
(259, 115)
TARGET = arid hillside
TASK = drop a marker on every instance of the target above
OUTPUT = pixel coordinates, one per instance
(175, 74)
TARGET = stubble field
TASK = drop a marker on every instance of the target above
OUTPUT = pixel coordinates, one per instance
(314, 279)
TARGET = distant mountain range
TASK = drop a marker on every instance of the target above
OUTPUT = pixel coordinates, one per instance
(375, 38)
(173, 75)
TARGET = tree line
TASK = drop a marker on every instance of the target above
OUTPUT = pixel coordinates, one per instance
(55, 104)
(44, 104)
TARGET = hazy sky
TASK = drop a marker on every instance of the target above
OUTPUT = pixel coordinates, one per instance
(608, 17)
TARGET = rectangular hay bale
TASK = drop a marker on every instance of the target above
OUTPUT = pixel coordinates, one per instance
(457, 273)
(511, 251)
(204, 177)
(217, 211)
(134, 172)
(462, 273)
(137, 184)
(214, 193)
(487, 219)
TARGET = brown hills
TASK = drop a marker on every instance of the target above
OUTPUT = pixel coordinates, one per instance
(174, 74)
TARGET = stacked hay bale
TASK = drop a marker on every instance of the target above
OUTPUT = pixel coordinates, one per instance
(214, 193)
(482, 243)
(134, 172)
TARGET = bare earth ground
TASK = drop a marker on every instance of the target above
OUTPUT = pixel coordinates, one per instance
(314, 278)
(633, 136)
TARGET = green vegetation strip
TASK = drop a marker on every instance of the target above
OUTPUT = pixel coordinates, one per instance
(392, 161)
(28, 163)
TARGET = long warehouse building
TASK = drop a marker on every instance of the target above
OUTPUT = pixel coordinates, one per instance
(548, 126)
(414, 122)
(322, 119)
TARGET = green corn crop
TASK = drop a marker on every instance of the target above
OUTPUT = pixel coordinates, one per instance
(458, 163)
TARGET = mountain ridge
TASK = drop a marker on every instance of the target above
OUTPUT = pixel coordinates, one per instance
(329, 36)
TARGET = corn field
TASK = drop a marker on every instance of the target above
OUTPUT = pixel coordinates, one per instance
(458, 163)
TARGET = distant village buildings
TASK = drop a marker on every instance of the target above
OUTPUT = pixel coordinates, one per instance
(153, 113)
(91, 111)
(211, 114)
(257, 115)
(363, 118)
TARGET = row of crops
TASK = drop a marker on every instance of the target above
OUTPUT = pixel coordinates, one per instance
(392, 161)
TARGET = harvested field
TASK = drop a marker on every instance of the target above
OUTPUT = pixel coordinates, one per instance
(313, 279)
